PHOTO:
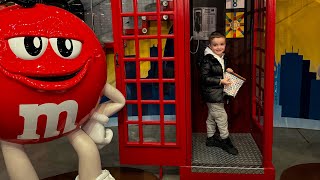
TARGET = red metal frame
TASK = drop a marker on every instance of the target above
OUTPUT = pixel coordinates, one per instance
(262, 109)
(254, 57)
(152, 153)
(188, 83)
(262, 68)
(257, 68)
(269, 84)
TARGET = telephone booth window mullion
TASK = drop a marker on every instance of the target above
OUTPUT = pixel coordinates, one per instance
(263, 43)
(137, 49)
(262, 62)
(176, 72)
(261, 31)
(259, 66)
(129, 108)
(160, 72)
(255, 69)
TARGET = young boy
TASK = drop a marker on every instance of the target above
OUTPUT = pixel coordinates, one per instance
(212, 69)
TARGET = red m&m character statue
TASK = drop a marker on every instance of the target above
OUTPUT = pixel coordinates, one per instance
(52, 75)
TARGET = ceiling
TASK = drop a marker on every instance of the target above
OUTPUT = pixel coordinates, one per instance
(87, 3)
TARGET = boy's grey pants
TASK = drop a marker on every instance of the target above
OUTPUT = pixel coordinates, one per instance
(217, 116)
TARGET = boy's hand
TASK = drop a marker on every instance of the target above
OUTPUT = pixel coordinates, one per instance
(229, 70)
(226, 81)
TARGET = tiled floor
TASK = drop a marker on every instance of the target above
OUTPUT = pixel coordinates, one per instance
(295, 146)
(291, 147)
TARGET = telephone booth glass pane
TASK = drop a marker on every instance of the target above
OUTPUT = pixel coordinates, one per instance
(169, 112)
(151, 133)
(129, 48)
(131, 91)
(262, 79)
(263, 61)
(168, 47)
(150, 112)
(127, 5)
(130, 68)
(149, 91)
(132, 112)
(148, 48)
(148, 25)
(166, 24)
(166, 5)
(133, 133)
(170, 133)
(168, 69)
(149, 69)
(128, 26)
(169, 91)
(147, 6)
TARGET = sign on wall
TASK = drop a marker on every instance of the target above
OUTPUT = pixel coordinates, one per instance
(297, 85)
(234, 4)
(235, 24)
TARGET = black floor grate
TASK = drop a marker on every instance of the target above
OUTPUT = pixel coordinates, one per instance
(213, 159)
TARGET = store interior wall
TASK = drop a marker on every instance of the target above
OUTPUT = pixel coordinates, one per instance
(297, 99)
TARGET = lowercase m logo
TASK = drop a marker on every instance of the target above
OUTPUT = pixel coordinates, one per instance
(31, 113)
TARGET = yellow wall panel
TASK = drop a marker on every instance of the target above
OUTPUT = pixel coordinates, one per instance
(297, 26)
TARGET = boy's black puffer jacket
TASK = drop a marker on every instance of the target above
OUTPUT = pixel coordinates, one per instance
(211, 73)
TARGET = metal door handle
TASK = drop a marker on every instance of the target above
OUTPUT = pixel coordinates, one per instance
(117, 59)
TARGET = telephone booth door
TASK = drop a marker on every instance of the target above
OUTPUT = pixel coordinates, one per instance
(150, 66)
(263, 78)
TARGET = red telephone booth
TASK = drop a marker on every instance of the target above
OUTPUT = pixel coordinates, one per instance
(155, 73)
(152, 125)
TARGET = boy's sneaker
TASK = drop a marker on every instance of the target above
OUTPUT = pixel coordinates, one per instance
(214, 140)
(227, 145)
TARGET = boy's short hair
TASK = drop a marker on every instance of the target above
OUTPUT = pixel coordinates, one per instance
(216, 34)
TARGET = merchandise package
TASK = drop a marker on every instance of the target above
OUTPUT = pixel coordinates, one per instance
(237, 82)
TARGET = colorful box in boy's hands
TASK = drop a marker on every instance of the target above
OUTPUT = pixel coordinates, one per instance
(237, 82)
